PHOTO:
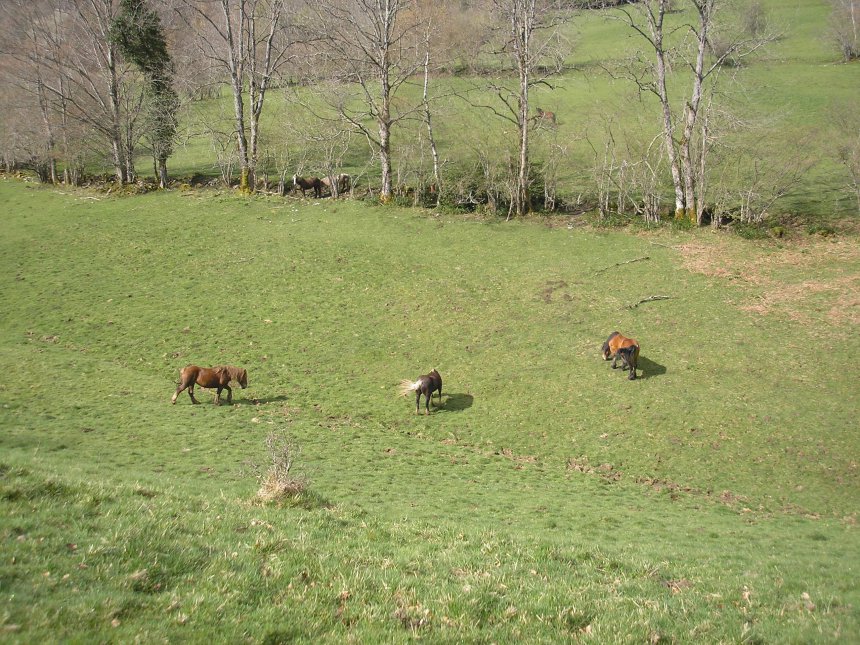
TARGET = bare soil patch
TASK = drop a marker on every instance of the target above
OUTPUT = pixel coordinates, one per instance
(793, 279)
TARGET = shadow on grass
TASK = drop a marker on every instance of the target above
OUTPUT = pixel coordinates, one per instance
(265, 400)
(457, 402)
(650, 368)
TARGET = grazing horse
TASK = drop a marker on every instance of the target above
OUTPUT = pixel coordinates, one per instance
(627, 349)
(341, 183)
(308, 183)
(548, 117)
(426, 385)
(218, 377)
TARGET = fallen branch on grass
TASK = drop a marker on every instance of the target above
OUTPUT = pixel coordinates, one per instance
(648, 299)
(618, 264)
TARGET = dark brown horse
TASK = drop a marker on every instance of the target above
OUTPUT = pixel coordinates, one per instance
(627, 349)
(544, 116)
(308, 183)
(217, 377)
(426, 385)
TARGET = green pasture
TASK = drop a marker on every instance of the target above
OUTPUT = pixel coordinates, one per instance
(774, 116)
(548, 499)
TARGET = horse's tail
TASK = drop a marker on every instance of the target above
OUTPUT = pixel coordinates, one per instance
(407, 386)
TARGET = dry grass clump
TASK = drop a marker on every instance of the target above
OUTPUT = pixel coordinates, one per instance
(279, 482)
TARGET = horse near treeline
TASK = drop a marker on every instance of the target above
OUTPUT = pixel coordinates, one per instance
(337, 184)
(308, 183)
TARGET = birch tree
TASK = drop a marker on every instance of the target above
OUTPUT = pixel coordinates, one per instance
(701, 63)
(845, 28)
(532, 44)
(373, 46)
(250, 41)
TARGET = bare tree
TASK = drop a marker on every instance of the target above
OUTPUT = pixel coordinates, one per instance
(844, 31)
(846, 122)
(428, 121)
(702, 62)
(102, 82)
(249, 40)
(69, 61)
(532, 43)
(373, 46)
(25, 40)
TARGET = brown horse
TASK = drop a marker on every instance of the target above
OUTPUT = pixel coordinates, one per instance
(426, 385)
(627, 349)
(337, 184)
(308, 183)
(218, 377)
(547, 117)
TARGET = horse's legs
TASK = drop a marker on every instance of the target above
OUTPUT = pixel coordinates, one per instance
(614, 359)
(427, 396)
(417, 400)
(229, 394)
(191, 393)
(177, 393)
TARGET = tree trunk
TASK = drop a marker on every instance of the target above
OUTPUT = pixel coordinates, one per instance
(656, 25)
(236, 82)
(522, 23)
(432, 139)
(384, 120)
(691, 110)
(162, 173)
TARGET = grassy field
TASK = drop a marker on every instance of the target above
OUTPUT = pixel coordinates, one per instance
(548, 499)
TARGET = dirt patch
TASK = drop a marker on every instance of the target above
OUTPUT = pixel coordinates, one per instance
(765, 269)
(551, 287)
(605, 471)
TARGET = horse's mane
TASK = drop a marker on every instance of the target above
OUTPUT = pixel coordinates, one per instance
(233, 372)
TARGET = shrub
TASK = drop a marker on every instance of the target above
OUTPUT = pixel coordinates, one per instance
(820, 229)
(750, 231)
(279, 482)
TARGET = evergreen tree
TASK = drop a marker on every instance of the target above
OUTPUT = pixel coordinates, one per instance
(139, 36)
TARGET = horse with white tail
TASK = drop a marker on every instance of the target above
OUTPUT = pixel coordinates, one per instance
(426, 385)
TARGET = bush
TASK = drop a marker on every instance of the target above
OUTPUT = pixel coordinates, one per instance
(279, 482)
(750, 231)
(820, 229)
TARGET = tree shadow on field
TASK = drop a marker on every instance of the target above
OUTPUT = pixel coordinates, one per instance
(457, 402)
(650, 368)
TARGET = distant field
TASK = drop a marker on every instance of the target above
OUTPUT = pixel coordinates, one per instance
(784, 96)
(713, 499)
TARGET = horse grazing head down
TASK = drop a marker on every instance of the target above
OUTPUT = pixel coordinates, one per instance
(210, 377)
(337, 184)
(237, 374)
(627, 349)
(307, 183)
(546, 116)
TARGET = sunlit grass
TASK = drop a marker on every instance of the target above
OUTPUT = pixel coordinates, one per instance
(548, 497)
